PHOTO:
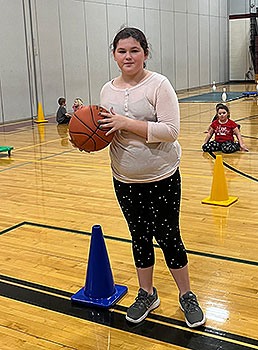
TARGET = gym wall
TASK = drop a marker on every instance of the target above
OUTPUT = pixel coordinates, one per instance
(53, 48)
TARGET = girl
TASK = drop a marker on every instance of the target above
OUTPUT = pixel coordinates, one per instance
(224, 130)
(216, 116)
(145, 155)
(77, 104)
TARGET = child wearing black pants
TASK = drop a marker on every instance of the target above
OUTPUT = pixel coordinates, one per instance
(62, 117)
(224, 130)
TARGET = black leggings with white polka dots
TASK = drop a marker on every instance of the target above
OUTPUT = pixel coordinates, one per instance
(152, 210)
(225, 147)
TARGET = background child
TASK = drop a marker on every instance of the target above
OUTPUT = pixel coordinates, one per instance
(224, 130)
(62, 117)
(77, 104)
(216, 116)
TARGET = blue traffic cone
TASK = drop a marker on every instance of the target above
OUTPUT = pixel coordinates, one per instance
(99, 289)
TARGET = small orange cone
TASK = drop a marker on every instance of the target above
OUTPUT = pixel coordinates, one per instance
(219, 190)
(41, 118)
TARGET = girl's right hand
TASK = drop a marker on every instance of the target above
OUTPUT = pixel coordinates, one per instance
(244, 148)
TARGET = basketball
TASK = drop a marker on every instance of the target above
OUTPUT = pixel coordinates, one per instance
(85, 131)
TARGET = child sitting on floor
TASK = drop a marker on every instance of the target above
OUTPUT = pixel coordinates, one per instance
(224, 130)
(216, 116)
(77, 104)
(62, 117)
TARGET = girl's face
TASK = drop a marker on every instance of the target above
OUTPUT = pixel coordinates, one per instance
(222, 115)
(76, 103)
(129, 56)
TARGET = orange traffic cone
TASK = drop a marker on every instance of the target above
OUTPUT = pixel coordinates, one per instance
(219, 190)
(41, 118)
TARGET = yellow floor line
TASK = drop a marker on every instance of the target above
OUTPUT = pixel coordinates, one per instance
(251, 346)
(61, 163)
(35, 145)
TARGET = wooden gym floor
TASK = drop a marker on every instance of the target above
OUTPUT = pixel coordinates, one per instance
(52, 195)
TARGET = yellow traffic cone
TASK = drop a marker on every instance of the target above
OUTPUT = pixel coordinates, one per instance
(41, 118)
(219, 189)
(220, 215)
(41, 129)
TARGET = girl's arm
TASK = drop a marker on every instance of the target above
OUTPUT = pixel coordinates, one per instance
(165, 129)
(240, 140)
(119, 122)
(209, 134)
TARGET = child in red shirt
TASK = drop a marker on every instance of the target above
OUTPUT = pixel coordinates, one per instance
(224, 130)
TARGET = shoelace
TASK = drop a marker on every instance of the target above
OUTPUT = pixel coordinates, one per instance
(190, 304)
(141, 299)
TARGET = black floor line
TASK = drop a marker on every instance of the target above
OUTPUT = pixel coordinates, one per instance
(205, 338)
(250, 137)
(234, 169)
(37, 160)
(195, 114)
(12, 228)
(125, 240)
(248, 117)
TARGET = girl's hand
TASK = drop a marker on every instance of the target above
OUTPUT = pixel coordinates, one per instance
(244, 148)
(113, 121)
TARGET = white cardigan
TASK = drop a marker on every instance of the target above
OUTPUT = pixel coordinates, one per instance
(134, 159)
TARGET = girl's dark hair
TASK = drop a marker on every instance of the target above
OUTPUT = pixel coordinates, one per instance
(130, 32)
(222, 106)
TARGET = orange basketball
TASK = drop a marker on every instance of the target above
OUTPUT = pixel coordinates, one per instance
(85, 131)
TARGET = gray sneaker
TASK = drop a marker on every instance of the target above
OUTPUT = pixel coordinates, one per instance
(194, 316)
(143, 304)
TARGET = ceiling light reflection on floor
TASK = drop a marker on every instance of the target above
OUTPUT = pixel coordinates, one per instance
(217, 313)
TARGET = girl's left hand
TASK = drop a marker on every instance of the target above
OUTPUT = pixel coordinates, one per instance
(113, 121)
